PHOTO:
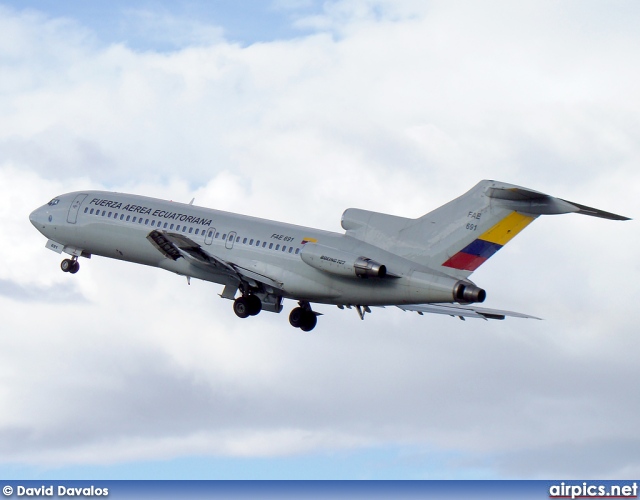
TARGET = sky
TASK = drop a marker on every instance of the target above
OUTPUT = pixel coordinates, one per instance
(295, 110)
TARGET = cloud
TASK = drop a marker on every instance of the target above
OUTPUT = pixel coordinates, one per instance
(392, 107)
(20, 292)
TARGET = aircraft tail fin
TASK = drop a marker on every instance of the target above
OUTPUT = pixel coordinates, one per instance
(461, 235)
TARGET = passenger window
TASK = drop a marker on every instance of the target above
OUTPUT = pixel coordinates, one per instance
(258, 243)
(198, 231)
(134, 219)
(104, 212)
(128, 218)
(210, 233)
(290, 249)
(146, 222)
(86, 209)
(297, 251)
(115, 216)
(184, 229)
(244, 242)
(165, 225)
(91, 213)
(278, 246)
(190, 230)
(109, 215)
(284, 248)
(217, 234)
(251, 242)
(237, 239)
(270, 246)
(224, 236)
(264, 244)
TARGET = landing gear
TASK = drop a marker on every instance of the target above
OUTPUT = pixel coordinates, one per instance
(303, 317)
(247, 305)
(70, 266)
(255, 305)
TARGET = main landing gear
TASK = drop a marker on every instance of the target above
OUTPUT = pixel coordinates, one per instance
(70, 265)
(247, 305)
(303, 317)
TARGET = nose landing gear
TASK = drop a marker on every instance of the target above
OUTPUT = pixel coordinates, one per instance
(70, 265)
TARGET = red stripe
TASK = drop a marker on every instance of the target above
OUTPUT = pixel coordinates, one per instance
(465, 261)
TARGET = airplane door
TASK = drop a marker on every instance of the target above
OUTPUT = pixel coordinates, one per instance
(208, 239)
(231, 238)
(72, 216)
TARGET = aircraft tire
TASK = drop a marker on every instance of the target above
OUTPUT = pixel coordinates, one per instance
(295, 317)
(254, 304)
(309, 321)
(241, 307)
(66, 265)
(75, 267)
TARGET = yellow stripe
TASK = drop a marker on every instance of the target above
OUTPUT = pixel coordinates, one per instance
(507, 228)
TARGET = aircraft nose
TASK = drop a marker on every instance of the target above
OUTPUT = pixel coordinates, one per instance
(32, 217)
(36, 218)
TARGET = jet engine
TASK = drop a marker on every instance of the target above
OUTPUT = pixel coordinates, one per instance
(426, 288)
(341, 263)
(465, 292)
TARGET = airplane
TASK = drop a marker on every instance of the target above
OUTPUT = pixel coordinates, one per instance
(420, 265)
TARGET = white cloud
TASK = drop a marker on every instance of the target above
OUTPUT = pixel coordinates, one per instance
(394, 109)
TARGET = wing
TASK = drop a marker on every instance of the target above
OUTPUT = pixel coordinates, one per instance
(464, 311)
(175, 246)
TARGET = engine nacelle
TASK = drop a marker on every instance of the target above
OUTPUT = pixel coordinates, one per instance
(341, 263)
(426, 288)
(465, 292)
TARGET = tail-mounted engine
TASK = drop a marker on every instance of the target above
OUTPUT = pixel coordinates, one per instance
(427, 288)
(341, 263)
(465, 292)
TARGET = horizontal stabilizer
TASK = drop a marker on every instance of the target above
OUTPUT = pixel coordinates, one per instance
(537, 203)
(594, 212)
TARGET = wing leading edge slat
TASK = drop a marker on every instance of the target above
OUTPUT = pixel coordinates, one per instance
(175, 245)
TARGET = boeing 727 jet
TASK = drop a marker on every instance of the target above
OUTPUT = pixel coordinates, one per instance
(419, 264)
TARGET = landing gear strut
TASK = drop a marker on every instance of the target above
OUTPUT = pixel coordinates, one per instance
(303, 317)
(247, 305)
(70, 265)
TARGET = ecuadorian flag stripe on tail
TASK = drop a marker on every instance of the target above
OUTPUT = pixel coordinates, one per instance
(478, 251)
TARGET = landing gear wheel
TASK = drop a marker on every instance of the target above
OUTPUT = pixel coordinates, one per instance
(241, 307)
(254, 304)
(295, 317)
(67, 265)
(75, 267)
(302, 318)
(309, 321)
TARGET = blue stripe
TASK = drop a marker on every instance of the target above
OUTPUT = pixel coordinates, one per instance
(481, 248)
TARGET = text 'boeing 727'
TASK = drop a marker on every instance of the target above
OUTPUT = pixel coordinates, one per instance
(419, 264)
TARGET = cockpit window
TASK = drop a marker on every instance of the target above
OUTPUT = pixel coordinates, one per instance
(53, 202)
